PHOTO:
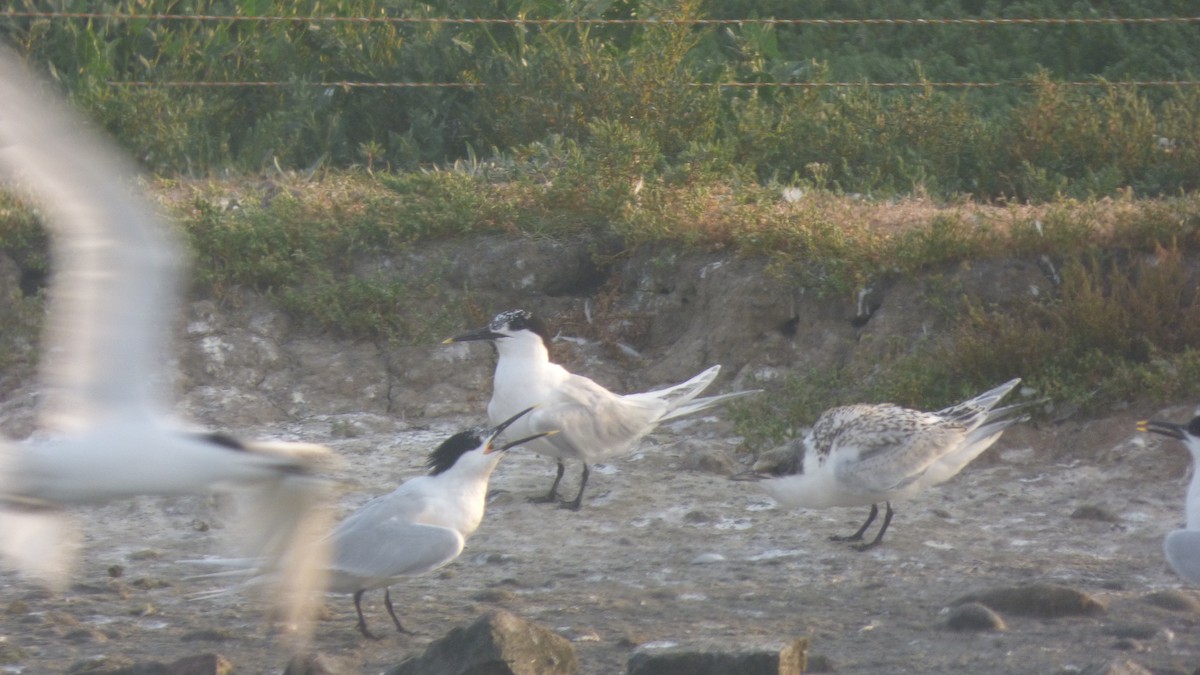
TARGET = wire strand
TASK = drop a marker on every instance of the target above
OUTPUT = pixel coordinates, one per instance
(1030, 21)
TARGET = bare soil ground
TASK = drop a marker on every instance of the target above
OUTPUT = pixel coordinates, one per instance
(666, 553)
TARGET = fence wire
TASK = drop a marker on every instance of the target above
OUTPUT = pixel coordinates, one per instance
(1027, 21)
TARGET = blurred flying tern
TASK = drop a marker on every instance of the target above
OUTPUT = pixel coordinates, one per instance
(417, 528)
(593, 422)
(1182, 547)
(104, 428)
(862, 454)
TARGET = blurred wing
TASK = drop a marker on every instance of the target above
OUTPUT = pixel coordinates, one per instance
(38, 541)
(114, 286)
(284, 527)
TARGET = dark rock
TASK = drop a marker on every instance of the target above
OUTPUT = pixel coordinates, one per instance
(1176, 601)
(1093, 512)
(707, 660)
(318, 664)
(1117, 666)
(1040, 600)
(819, 663)
(498, 643)
(974, 616)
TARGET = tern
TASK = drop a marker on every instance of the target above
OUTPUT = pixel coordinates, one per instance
(105, 431)
(863, 454)
(1182, 547)
(419, 527)
(593, 422)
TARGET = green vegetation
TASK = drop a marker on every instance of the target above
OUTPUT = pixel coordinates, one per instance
(585, 94)
(611, 131)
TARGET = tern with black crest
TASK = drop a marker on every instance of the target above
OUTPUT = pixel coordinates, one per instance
(417, 528)
(1182, 547)
(593, 422)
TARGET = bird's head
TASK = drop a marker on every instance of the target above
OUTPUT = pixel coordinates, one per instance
(475, 445)
(515, 328)
(785, 460)
(1188, 433)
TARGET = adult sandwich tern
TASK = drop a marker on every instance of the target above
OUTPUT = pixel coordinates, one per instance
(1182, 547)
(104, 431)
(417, 528)
(593, 422)
(863, 454)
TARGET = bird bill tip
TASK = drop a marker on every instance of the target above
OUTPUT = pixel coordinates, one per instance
(1177, 431)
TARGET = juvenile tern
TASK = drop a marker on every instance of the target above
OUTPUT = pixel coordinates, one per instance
(863, 454)
(104, 429)
(418, 527)
(1182, 547)
(593, 422)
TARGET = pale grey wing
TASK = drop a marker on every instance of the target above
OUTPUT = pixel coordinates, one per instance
(592, 422)
(371, 553)
(889, 454)
(1182, 549)
(116, 266)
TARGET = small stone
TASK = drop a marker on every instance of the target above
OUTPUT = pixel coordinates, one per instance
(708, 559)
(494, 595)
(1040, 600)
(1176, 601)
(696, 518)
(148, 584)
(209, 635)
(116, 571)
(145, 554)
(710, 660)
(1093, 512)
(708, 460)
(318, 664)
(84, 635)
(974, 616)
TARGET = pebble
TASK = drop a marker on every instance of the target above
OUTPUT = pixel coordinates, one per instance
(1176, 601)
(708, 558)
(1041, 600)
(975, 617)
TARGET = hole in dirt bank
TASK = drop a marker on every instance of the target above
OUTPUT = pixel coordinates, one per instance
(788, 328)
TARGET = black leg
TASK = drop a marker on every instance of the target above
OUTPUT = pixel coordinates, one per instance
(551, 496)
(857, 536)
(362, 621)
(387, 602)
(574, 504)
(887, 520)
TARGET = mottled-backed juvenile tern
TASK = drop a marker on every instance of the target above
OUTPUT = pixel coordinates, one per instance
(104, 428)
(418, 527)
(1182, 547)
(863, 454)
(593, 423)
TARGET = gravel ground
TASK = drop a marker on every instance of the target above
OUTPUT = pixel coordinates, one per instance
(667, 551)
